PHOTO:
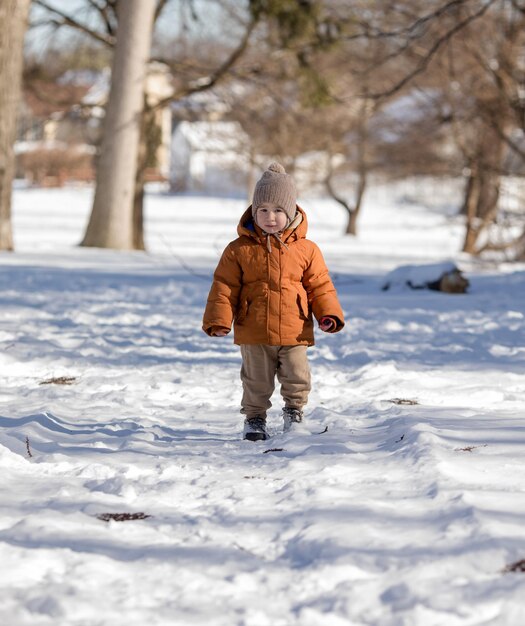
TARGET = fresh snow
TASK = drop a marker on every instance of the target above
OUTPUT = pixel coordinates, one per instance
(417, 276)
(401, 505)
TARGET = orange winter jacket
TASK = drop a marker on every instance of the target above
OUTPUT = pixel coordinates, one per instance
(269, 287)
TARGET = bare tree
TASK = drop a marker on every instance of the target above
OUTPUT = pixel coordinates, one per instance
(111, 223)
(486, 70)
(320, 73)
(477, 46)
(360, 164)
(13, 21)
(351, 62)
(189, 77)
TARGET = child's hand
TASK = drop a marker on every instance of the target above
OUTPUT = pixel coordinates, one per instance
(327, 324)
(220, 332)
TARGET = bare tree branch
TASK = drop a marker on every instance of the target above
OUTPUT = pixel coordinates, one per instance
(416, 24)
(422, 66)
(518, 7)
(412, 32)
(499, 73)
(204, 83)
(103, 10)
(67, 20)
(328, 182)
(160, 7)
(501, 133)
(515, 244)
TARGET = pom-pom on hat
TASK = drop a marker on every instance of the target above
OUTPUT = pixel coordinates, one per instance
(278, 187)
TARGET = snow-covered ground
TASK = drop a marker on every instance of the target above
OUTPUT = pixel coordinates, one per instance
(402, 506)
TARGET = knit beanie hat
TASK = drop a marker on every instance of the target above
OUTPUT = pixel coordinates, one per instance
(276, 186)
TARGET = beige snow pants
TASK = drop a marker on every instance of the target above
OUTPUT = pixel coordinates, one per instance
(261, 364)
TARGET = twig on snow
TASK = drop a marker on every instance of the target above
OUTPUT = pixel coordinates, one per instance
(470, 448)
(60, 380)
(518, 566)
(122, 517)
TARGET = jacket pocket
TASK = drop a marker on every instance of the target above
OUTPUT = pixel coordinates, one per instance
(302, 302)
(242, 312)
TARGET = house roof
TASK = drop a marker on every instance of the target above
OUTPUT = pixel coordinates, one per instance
(46, 98)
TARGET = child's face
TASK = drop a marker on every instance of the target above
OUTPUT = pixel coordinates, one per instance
(270, 217)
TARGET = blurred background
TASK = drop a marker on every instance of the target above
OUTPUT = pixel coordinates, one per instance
(344, 94)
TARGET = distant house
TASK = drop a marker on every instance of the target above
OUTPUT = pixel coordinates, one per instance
(54, 137)
(60, 126)
(49, 112)
(210, 157)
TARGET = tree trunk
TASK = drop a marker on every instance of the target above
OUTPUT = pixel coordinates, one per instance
(482, 208)
(147, 155)
(362, 166)
(138, 213)
(138, 195)
(482, 191)
(469, 209)
(520, 247)
(469, 190)
(351, 228)
(111, 222)
(13, 23)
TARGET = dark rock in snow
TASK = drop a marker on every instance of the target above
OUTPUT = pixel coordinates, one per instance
(445, 277)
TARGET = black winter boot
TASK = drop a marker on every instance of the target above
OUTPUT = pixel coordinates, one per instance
(255, 428)
(291, 416)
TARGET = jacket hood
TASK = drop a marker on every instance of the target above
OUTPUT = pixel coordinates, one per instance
(296, 230)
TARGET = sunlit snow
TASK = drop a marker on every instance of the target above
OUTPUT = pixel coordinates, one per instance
(401, 506)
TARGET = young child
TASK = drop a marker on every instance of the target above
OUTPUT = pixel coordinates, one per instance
(270, 282)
